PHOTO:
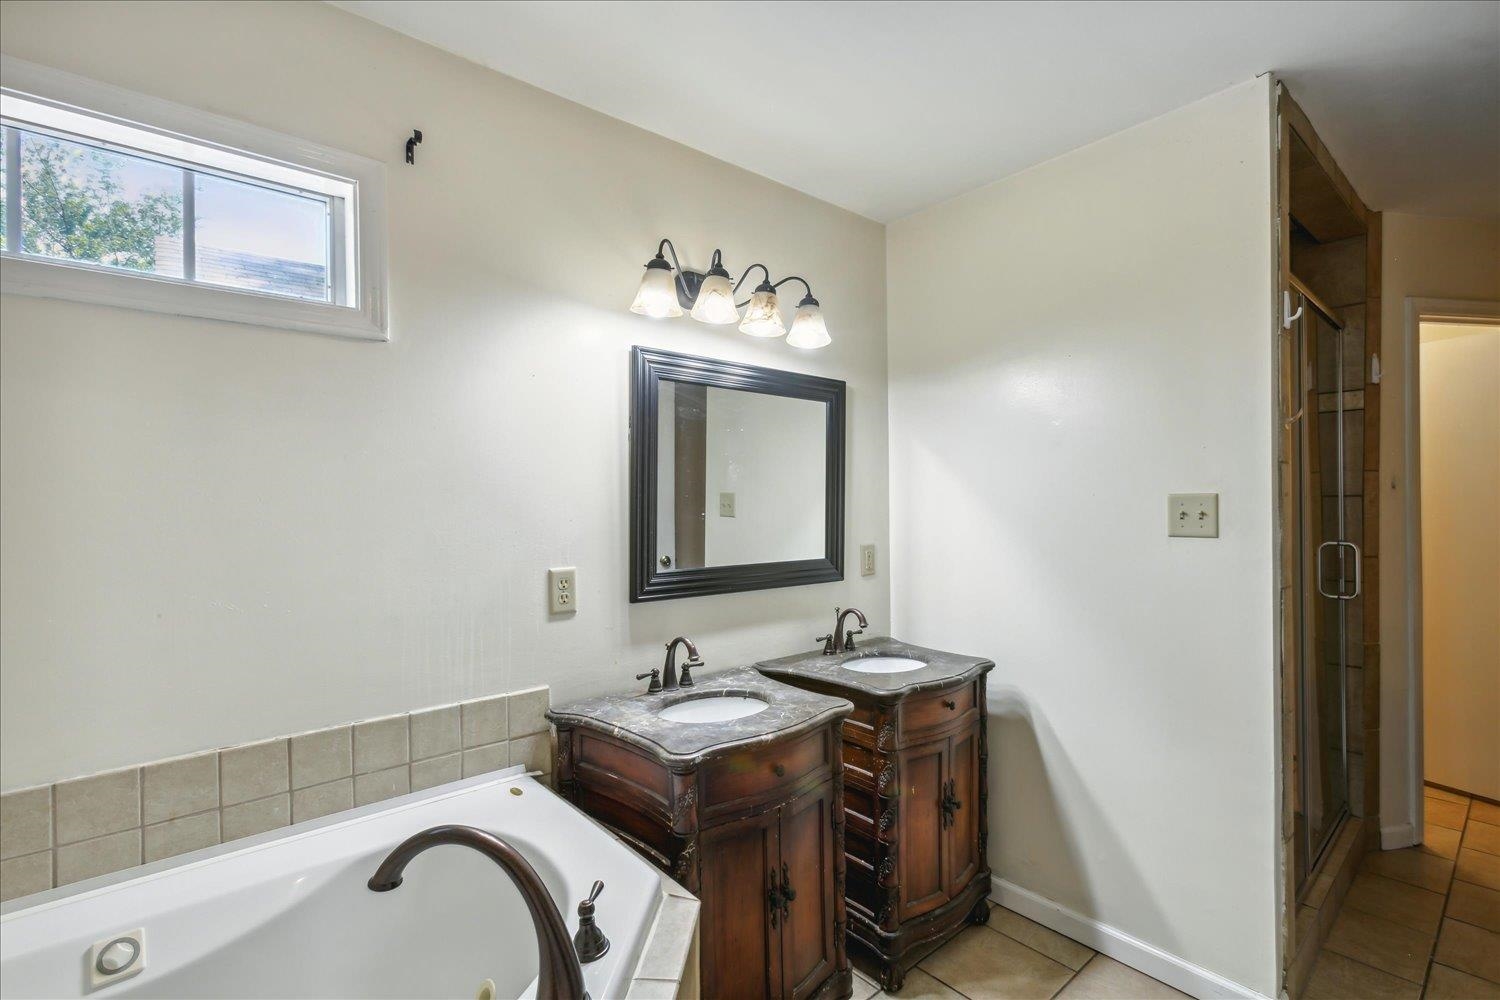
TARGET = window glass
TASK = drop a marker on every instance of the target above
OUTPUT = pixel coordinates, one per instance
(261, 239)
(83, 203)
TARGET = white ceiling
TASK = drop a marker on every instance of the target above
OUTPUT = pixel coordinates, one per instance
(885, 108)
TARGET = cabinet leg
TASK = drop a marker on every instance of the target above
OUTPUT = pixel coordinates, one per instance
(981, 912)
(892, 978)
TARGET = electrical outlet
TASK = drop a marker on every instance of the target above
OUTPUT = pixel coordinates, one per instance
(867, 560)
(726, 504)
(562, 590)
(1193, 515)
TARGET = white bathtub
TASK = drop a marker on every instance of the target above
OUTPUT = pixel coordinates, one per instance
(288, 914)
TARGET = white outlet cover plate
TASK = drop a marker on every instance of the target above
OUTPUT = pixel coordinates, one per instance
(562, 590)
(1193, 515)
(867, 560)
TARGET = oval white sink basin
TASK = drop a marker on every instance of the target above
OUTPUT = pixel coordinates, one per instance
(712, 709)
(882, 665)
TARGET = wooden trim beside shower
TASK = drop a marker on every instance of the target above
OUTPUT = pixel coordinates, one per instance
(1336, 240)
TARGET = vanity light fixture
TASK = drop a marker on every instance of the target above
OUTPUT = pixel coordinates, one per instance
(667, 289)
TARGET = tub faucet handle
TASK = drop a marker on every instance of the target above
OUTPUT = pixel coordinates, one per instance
(590, 942)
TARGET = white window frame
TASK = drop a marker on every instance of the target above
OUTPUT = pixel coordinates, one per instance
(50, 101)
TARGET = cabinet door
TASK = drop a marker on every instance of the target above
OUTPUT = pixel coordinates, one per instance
(962, 854)
(741, 950)
(919, 810)
(808, 952)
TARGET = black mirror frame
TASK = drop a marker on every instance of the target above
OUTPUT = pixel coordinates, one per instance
(648, 581)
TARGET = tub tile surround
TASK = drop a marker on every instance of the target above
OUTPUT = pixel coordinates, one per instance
(72, 830)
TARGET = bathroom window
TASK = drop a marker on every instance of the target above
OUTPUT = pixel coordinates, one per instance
(116, 198)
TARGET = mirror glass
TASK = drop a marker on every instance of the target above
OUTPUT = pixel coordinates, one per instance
(740, 476)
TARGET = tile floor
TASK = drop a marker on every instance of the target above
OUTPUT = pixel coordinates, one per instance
(1422, 922)
(1012, 958)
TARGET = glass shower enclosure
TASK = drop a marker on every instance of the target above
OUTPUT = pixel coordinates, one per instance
(1328, 571)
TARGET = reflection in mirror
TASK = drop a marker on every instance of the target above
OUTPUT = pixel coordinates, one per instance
(740, 476)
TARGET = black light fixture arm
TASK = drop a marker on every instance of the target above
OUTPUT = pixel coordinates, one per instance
(666, 244)
(806, 299)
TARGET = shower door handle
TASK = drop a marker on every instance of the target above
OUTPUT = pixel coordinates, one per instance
(1340, 596)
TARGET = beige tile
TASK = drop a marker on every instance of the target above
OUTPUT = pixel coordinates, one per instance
(1399, 902)
(435, 732)
(246, 819)
(920, 986)
(253, 771)
(1335, 977)
(1442, 793)
(26, 822)
(317, 801)
(1469, 949)
(1442, 812)
(1485, 812)
(25, 875)
(100, 856)
(1444, 983)
(178, 836)
(1038, 938)
(381, 744)
(534, 751)
(91, 807)
(381, 785)
(482, 760)
(1474, 904)
(436, 771)
(671, 939)
(485, 721)
(1478, 867)
(1482, 837)
(528, 711)
(981, 962)
(1381, 943)
(320, 757)
(1412, 864)
(1441, 841)
(1103, 978)
(864, 989)
(180, 787)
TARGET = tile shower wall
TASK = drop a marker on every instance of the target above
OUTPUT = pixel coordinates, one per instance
(62, 833)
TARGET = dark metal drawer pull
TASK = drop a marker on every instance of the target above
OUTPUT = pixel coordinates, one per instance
(949, 704)
(780, 771)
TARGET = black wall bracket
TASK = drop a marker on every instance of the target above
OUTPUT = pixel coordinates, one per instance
(412, 144)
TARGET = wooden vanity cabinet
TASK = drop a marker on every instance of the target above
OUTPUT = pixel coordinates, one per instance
(756, 833)
(915, 800)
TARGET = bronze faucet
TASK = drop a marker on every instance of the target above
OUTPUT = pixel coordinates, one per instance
(561, 976)
(831, 645)
(669, 681)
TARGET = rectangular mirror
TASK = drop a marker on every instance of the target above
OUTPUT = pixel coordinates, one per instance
(736, 477)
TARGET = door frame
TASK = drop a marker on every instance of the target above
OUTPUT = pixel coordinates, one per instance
(1417, 309)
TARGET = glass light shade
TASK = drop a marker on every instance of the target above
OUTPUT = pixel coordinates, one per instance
(808, 331)
(762, 318)
(657, 296)
(715, 302)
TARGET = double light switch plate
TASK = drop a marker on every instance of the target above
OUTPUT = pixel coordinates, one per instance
(1193, 515)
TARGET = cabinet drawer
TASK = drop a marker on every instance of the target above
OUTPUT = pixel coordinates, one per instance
(928, 713)
(752, 773)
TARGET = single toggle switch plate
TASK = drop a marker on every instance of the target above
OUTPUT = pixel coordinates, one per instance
(562, 590)
(1193, 515)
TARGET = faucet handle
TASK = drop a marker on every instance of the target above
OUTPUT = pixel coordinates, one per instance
(589, 941)
(827, 641)
(686, 680)
(655, 686)
(849, 635)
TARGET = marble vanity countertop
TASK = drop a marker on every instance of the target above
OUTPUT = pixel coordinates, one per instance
(942, 670)
(633, 718)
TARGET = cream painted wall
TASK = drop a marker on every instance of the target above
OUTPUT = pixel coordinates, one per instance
(1422, 258)
(1460, 428)
(214, 533)
(1068, 346)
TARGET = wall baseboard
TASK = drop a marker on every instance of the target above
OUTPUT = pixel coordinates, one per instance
(1400, 835)
(1176, 972)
